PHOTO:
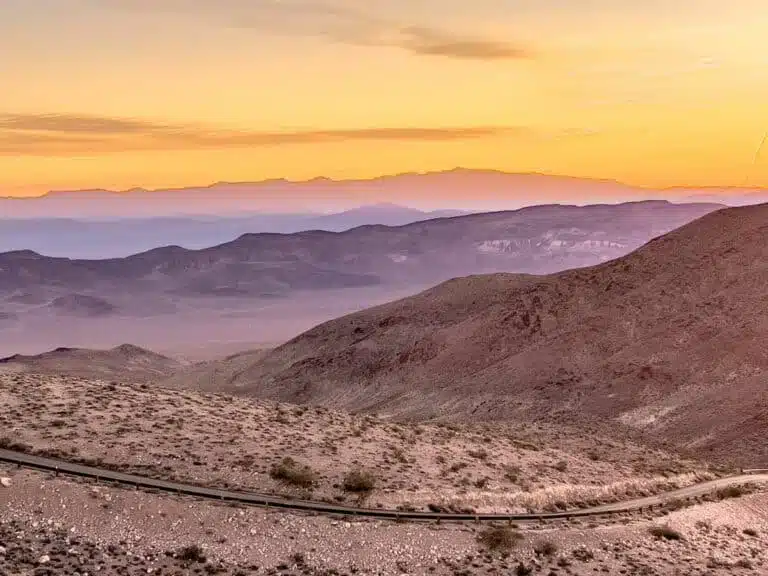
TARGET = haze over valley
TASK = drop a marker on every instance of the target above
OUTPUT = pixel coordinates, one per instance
(262, 289)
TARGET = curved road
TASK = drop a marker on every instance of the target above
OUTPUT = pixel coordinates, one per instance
(266, 500)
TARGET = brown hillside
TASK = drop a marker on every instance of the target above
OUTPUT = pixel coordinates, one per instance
(123, 363)
(670, 339)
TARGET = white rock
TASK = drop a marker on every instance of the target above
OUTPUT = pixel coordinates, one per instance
(44, 559)
(6, 482)
(2, 550)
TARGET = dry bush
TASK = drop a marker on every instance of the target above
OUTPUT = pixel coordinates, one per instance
(499, 538)
(359, 481)
(291, 472)
(545, 548)
(191, 553)
(665, 532)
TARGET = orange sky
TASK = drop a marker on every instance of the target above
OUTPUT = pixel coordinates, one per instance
(160, 93)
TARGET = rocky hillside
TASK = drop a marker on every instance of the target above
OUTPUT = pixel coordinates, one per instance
(669, 339)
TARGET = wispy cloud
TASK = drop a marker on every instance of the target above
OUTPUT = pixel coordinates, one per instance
(337, 21)
(75, 124)
(71, 135)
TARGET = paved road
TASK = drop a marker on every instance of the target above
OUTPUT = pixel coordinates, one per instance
(253, 498)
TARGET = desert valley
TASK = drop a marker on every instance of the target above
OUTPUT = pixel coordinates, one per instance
(402, 288)
(547, 361)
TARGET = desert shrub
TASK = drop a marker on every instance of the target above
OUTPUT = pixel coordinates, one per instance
(7, 443)
(480, 454)
(583, 554)
(359, 481)
(731, 492)
(291, 472)
(499, 538)
(481, 483)
(561, 466)
(545, 548)
(512, 472)
(675, 504)
(750, 532)
(665, 532)
(523, 570)
(191, 553)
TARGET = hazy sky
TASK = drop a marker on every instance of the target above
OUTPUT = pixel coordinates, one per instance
(153, 93)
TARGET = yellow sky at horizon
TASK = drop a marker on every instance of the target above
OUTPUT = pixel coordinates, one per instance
(120, 94)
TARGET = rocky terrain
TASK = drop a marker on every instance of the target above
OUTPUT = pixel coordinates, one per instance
(668, 340)
(316, 453)
(52, 526)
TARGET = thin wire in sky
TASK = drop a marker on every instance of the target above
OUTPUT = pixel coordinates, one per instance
(756, 157)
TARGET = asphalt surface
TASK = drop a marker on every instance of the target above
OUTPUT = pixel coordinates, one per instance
(267, 500)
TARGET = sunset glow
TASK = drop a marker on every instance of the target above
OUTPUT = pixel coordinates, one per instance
(157, 93)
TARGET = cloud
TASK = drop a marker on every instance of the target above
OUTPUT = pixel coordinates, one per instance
(73, 135)
(63, 123)
(336, 21)
(430, 41)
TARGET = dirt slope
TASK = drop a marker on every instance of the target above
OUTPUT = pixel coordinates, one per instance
(669, 339)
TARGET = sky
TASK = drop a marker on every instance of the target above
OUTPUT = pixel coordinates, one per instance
(167, 93)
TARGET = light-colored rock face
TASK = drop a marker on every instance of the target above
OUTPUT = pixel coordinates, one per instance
(503, 246)
(551, 241)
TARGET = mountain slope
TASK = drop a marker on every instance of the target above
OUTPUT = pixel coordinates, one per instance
(669, 339)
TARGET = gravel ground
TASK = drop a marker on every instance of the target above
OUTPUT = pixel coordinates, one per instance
(61, 526)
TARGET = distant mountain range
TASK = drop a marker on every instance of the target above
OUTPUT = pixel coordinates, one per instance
(537, 239)
(466, 189)
(91, 238)
(264, 288)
